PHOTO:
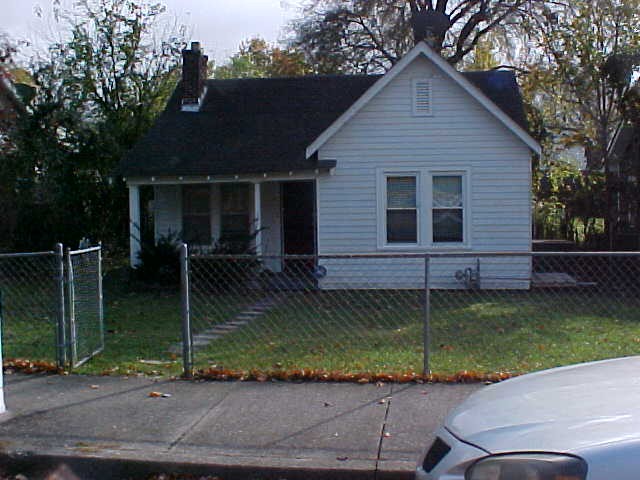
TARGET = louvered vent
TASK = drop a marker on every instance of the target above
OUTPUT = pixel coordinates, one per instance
(422, 100)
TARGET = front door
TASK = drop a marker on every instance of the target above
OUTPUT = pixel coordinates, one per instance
(298, 218)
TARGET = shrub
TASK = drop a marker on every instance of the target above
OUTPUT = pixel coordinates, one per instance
(160, 261)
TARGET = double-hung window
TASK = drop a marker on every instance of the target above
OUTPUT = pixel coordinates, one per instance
(447, 209)
(234, 215)
(196, 214)
(402, 209)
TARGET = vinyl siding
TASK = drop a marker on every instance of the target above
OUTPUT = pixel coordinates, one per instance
(460, 135)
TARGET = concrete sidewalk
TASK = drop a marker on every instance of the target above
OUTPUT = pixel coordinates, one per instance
(109, 427)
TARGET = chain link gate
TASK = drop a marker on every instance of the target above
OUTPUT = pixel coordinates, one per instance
(52, 305)
(85, 306)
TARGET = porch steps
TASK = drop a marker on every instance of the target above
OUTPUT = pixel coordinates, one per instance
(203, 339)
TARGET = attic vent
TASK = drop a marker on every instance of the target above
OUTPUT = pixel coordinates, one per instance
(422, 98)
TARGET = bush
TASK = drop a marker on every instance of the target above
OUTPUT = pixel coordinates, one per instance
(160, 261)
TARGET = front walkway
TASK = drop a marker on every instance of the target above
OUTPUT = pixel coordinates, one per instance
(108, 427)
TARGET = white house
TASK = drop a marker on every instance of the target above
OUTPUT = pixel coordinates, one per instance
(421, 159)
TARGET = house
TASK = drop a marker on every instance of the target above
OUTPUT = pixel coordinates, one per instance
(421, 159)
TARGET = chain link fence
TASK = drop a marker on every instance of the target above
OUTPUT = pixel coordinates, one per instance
(440, 312)
(52, 306)
(29, 298)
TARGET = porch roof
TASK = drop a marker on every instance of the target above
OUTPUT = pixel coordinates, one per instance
(255, 126)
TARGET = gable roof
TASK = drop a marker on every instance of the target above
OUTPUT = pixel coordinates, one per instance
(255, 126)
(465, 81)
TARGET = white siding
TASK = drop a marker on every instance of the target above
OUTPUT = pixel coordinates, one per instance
(460, 135)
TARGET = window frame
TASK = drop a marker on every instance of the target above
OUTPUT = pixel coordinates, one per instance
(417, 208)
(235, 213)
(424, 207)
(465, 196)
(208, 214)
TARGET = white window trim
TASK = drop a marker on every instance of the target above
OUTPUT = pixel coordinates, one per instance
(383, 175)
(424, 206)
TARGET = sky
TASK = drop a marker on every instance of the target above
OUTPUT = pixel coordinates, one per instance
(220, 25)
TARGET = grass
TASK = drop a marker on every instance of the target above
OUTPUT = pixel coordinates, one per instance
(382, 332)
(359, 331)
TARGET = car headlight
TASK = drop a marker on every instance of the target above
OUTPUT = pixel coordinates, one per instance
(533, 466)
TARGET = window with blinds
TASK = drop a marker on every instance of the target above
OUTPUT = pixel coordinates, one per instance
(402, 210)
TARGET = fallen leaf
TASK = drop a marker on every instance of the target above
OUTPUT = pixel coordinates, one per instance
(94, 387)
(155, 394)
(363, 381)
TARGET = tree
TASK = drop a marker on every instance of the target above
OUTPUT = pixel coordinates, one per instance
(372, 35)
(96, 94)
(581, 70)
(256, 58)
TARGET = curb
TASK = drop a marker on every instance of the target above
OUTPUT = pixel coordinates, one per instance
(98, 467)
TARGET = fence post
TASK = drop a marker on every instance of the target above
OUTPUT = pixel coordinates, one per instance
(426, 316)
(100, 296)
(187, 339)
(71, 290)
(61, 332)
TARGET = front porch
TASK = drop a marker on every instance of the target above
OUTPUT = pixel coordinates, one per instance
(268, 218)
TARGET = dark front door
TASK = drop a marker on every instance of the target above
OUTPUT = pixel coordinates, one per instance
(298, 218)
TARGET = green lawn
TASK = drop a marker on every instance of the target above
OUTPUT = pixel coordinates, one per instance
(382, 332)
(365, 331)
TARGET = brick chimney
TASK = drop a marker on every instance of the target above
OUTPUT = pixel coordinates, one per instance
(430, 26)
(194, 76)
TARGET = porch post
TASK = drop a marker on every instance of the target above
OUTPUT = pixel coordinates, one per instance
(134, 225)
(257, 208)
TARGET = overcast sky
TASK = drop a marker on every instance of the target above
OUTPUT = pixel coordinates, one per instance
(220, 25)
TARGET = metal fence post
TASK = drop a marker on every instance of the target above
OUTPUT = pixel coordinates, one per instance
(61, 331)
(72, 309)
(187, 338)
(427, 316)
(100, 296)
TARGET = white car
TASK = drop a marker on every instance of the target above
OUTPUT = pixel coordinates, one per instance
(572, 423)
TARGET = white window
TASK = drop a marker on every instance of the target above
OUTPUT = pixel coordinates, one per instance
(422, 98)
(423, 208)
(447, 209)
(401, 209)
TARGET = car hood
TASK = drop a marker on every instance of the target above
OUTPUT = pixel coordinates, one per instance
(567, 409)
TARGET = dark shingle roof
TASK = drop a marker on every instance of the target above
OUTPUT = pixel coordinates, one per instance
(265, 125)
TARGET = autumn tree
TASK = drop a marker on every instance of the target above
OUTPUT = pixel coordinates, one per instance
(97, 92)
(580, 70)
(372, 35)
(256, 58)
